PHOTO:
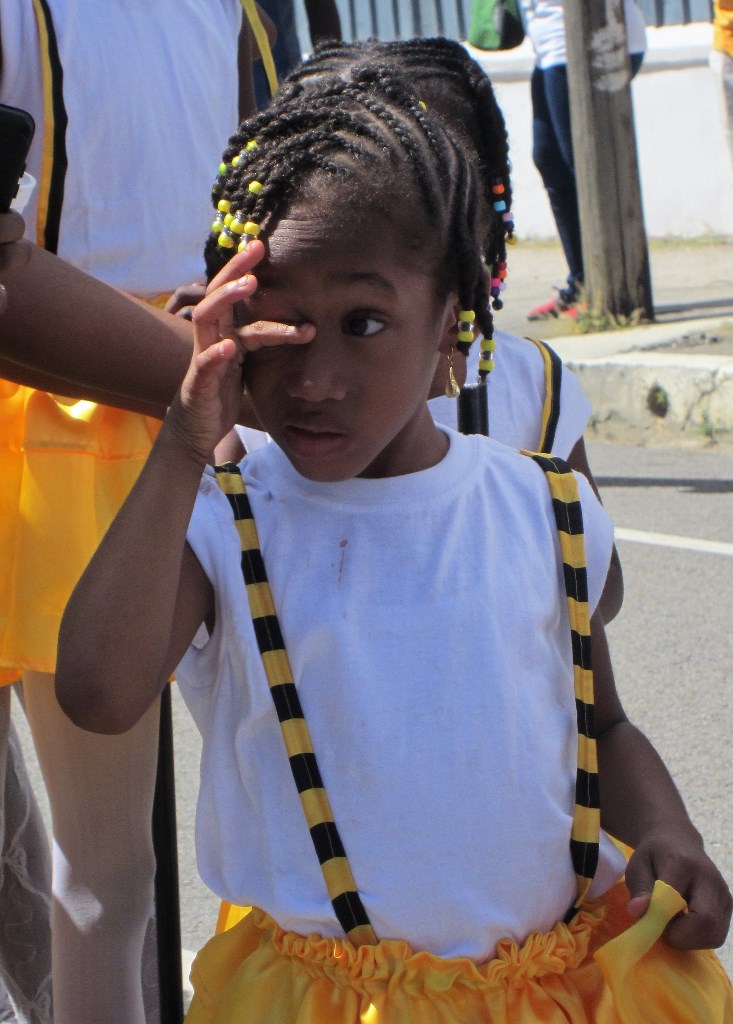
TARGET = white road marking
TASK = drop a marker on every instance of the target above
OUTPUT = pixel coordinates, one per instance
(671, 540)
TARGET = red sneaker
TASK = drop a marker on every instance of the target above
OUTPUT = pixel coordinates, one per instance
(554, 308)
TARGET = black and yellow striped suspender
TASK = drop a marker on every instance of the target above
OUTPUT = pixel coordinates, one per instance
(551, 407)
(339, 880)
(585, 833)
(53, 158)
(340, 883)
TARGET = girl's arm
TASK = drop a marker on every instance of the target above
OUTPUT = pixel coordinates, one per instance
(143, 595)
(640, 805)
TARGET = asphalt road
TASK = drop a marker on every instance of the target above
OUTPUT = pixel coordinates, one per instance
(671, 645)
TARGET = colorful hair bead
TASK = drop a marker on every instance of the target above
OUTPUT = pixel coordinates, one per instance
(222, 168)
(255, 187)
(225, 240)
(486, 361)
(235, 160)
(423, 104)
(464, 339)
(224, 205)
(218, 225)
(251, 144)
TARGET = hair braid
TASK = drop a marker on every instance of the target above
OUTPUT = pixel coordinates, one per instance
(441, 72)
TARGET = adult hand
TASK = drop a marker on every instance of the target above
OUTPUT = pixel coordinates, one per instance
(185, 298)
(12, 227)
(680, 860)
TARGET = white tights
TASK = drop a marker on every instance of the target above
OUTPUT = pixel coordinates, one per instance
(100, 789)
(25, 888)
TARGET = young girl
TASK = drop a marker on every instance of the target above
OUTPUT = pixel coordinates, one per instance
(427, 846)
(535, 402)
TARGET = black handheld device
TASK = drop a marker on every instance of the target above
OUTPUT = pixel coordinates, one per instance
(16, 133)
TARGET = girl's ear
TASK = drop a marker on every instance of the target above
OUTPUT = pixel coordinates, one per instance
(449, 327)
(449, 337)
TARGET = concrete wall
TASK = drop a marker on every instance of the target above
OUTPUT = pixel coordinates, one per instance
(685, 166)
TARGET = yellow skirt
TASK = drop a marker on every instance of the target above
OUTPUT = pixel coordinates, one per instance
(602, 968)
(65, 469)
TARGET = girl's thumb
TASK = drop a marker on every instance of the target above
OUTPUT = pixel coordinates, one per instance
(640, 883)
(638, 905)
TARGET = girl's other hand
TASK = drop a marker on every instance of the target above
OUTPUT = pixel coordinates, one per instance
(680, 861)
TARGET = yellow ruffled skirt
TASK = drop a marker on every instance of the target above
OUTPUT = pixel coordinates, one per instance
(601, 968)
(65, 469)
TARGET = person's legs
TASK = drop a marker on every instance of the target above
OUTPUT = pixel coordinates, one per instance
(101, 793)
(25, 886)
(553, 157)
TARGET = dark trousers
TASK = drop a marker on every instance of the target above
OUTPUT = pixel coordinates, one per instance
(552, 152)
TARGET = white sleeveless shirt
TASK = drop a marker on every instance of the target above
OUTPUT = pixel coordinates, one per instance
(427, 628)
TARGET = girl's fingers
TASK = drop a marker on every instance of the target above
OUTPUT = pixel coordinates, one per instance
(238, 265)
(264, 333)
(213, 318)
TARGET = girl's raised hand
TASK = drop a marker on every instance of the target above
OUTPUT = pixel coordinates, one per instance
(208, 403)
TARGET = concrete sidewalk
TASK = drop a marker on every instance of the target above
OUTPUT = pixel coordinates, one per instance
(668, 381)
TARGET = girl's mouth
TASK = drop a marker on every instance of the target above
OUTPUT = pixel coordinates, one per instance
(312, 443)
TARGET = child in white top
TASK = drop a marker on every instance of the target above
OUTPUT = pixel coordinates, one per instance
(417, 580)
(534, 401)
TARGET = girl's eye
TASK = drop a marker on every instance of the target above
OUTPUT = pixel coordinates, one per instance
(362, 326)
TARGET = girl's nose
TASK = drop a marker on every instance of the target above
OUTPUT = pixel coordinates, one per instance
(318, 372)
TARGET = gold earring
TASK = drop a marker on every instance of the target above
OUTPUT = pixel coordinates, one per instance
(452, 389)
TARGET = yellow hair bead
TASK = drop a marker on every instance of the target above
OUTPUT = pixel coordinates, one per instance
(226, 241)
(488, 346)
(487, 365)
(243, 245)
(255, 186)
(423, 104)
(222, 168)
(235, 161)
(252, 229)
(237, 227)
(228, 218)
(251, 144)
(467, 314)
(217, 225)
(224, 205)
(465, 335)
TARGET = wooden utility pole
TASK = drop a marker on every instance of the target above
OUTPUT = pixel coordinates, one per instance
(615, 254)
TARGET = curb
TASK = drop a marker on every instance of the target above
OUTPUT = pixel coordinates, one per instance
(629, 378)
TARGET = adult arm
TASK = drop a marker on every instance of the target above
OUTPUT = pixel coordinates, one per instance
(66, 332)
(73, 330)
(640, 805)
(613, 591)
(323, 20)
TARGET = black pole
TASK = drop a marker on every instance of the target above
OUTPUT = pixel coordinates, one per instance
(473, 409)
(165, 844)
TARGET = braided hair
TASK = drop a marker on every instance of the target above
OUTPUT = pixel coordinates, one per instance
(359, 145)
(442, 74)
